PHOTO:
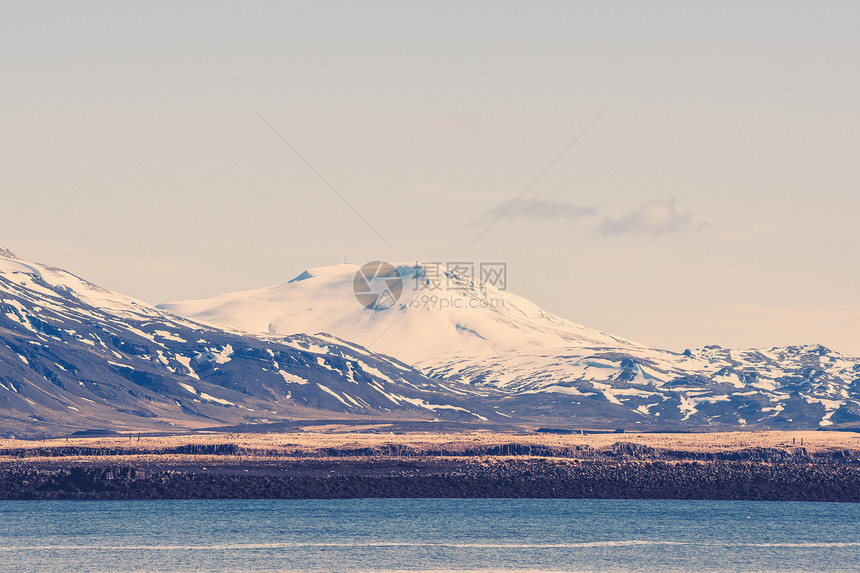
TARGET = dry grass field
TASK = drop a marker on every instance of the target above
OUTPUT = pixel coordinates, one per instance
(374, 438)
(345, 461)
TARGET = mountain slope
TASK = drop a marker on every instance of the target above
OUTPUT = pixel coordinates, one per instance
(76, 356)
(462, 317)
(550, 368)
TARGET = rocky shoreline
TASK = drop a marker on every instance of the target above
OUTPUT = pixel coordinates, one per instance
(625, 471)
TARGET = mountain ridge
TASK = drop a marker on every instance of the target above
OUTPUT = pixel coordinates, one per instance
(74, 356)
(519, 349)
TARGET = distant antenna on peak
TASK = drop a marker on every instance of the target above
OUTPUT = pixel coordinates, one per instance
(7, 254)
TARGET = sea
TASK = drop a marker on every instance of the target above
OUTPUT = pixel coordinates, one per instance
(428, 535)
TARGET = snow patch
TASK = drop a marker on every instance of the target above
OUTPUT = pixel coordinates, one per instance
(210, 398)
(292, 378)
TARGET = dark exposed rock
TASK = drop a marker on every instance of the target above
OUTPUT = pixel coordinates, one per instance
(627, 449)
(537, 478)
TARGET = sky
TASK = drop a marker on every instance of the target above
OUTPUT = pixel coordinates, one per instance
(676, 173)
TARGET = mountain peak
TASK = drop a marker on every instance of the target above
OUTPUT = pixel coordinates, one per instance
(7, 254)
(451, 325)
(425, 311)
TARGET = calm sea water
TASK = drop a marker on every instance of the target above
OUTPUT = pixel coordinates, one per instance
(428, 535)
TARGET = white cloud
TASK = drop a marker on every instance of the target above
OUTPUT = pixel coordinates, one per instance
(539, 210)
(654, 218)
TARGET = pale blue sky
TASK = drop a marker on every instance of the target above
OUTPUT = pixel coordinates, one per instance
(716, 200)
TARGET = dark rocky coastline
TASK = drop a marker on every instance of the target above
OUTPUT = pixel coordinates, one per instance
(627, 472)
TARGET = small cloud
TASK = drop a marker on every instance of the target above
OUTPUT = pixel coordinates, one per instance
(538, 210)
(655, 218)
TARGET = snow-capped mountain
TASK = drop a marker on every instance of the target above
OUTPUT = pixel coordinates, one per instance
(448, 318)
(456, 328)
(76, 356)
